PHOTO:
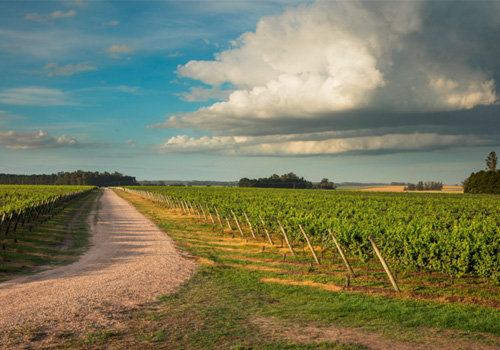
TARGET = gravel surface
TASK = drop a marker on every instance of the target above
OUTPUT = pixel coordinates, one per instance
(131, 263)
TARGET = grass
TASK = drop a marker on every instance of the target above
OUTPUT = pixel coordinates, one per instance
(54, 240)
(249, 298)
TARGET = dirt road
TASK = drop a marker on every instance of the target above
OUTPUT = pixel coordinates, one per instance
(131, 263)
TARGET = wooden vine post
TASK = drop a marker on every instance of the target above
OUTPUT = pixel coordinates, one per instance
(190, 207)
(203, 211)
(210, 214)
(384, 264)
(310, 245)
(237, 223)
(199, 214)
(249, 225)
(286, 239)
(183, 208)
(229, 224)
(218, 217)
(266, 231)
(339, 248)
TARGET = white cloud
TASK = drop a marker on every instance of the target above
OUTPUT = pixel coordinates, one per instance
(53, 69)
(36, 96)
(332, 56)
(115, 51)
(461, 96)
(295, 145)
(16, 140)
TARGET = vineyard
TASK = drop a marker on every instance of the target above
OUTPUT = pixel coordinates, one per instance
(23, 207)
(15, 197)
(439, 236)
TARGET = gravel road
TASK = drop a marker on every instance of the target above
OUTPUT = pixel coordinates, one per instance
(131, 263)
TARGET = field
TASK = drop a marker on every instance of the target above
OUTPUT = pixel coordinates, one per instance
(438, 244)
(446, 189)
(40, 226)
(270, 275)
(247, 296)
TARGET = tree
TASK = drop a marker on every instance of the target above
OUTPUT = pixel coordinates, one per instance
(325, 184)
(491, 162)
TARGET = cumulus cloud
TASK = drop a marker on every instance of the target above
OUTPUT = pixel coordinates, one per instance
(53, 69)
(16, 140)
(333, 56)
(36, 96)
(115, 51)
(340, 65)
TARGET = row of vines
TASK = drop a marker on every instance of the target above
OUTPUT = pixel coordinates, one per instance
(21, 204)
(457, 235)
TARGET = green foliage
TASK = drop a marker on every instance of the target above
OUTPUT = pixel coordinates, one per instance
(452, 234)
(15, 197)
(325, 184)
(483, 182)
(289, 180)
(424, 186)
(75, 178)
(491, 162)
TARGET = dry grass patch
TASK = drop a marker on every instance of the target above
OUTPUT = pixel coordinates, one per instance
(257, 268)
(330, 287)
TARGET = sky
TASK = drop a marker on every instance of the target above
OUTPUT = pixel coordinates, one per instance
(354, 91)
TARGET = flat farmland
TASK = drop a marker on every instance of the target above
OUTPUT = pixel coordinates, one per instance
(446, 189)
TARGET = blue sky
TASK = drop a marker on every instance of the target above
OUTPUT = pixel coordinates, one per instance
(369, 91)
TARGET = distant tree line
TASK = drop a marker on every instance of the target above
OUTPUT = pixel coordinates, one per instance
(289, 180)
(79, 177)
(484, 181)
(424, 186)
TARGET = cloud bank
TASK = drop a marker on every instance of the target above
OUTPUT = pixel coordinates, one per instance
(330, 66)
(16, 140)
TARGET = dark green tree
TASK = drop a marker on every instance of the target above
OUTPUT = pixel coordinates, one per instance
(491, 162)
(326, 184)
